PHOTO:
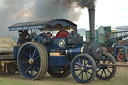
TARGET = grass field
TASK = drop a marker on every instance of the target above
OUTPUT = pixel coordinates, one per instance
(121, 78)
(48, 80)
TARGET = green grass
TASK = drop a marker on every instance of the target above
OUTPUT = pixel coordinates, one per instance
(48, 80)
(5, 81)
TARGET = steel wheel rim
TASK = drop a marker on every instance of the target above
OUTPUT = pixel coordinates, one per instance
(85, 69)
(30, 63)
(105, 72)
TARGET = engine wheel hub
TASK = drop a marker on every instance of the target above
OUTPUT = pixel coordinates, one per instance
(31, 61)
(82, 69)
(97, 52)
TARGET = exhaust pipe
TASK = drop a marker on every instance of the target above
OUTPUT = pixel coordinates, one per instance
(92, 25)
(94, 50)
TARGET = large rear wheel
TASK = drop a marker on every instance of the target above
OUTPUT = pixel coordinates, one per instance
(32, 61)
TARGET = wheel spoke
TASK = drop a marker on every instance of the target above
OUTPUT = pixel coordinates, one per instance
(36, 57)
(38, 69)
(30, 55)
(87, 68)
(34, 53)
(30, 50)
(105, 72)
(101, 73)
(109, 71)
(82, 76)
(33, 71)
(88, 72)
(25, 56)
(24, 62)
(28, 69)
(37, 63)
(86, 63)
(109, 62)
(79, 74)
(76, 69)
(98, 69)
(86, 75)
(24, 53)
(77, 65)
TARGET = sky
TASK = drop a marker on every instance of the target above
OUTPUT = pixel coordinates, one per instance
(108, 13)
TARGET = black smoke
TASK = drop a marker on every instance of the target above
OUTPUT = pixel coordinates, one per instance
(90, 4)
(52, 9)
(14, 11)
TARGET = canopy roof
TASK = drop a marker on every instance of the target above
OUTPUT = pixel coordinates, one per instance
(56, 24)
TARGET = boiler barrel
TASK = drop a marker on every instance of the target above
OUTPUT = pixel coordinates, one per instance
(73, 51)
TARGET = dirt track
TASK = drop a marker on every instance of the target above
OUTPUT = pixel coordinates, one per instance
(122, 71)
(121, 78)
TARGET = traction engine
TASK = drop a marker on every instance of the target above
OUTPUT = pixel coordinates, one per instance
(64, 54)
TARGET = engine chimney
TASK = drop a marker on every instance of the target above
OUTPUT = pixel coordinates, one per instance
(94, 49)
(92, 25)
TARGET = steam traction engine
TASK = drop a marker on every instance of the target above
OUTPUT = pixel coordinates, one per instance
(63, 54)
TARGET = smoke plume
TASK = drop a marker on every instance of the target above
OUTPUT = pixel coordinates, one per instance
(14, 11)
(52, 9)
(11, 11)
(90, 4)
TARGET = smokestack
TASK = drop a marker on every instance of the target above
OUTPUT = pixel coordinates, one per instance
(92, 24)
(95, 50)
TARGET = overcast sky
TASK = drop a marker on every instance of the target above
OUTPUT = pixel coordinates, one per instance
(108, 13)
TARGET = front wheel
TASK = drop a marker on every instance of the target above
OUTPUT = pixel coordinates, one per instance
(83, 68)
(106, 72)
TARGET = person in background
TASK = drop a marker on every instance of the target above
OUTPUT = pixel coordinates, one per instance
(41, 38)
(48, 38)
(49, 35)
(19, 39)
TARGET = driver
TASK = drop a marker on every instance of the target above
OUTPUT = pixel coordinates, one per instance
(23, 37)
